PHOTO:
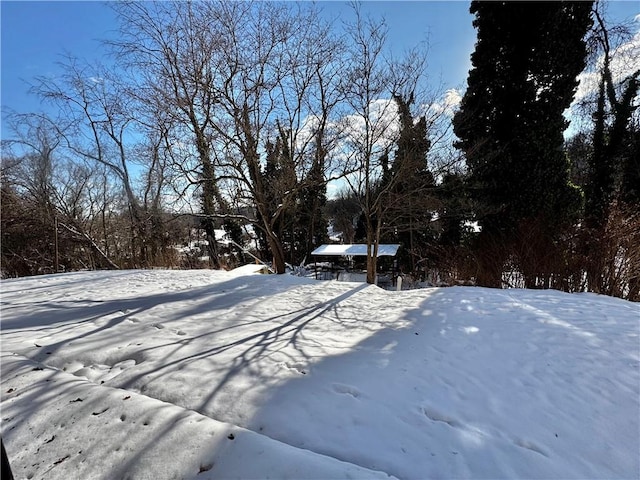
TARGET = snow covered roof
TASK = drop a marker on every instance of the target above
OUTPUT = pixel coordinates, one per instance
(359, 250)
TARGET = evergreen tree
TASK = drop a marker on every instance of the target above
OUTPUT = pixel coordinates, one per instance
(614, 160)
(454, 209)
(630, 184)
(613, 177)
(510, 123)
(279, 178)
(311, 223)
(409, 183)
(579, 149)
(299, 224)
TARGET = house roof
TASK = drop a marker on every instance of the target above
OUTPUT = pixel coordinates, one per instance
(358, 250)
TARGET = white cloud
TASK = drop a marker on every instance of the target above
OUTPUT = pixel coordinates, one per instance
(452, 98)
(588, 83)
(383, 123)
(448, 104)
(304, 135)
(624, 61)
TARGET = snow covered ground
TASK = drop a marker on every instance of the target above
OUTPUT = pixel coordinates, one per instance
(206, 374)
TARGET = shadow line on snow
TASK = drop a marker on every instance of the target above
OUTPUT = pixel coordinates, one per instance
(255, 345)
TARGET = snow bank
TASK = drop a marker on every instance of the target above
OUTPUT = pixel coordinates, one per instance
(77, 429)
(249, 269)
(345, 379)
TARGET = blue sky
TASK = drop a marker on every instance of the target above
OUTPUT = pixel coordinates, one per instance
(36, 34)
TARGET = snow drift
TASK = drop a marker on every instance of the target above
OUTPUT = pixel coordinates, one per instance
(207, 374)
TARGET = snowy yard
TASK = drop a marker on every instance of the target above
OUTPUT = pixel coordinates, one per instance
(206, 374)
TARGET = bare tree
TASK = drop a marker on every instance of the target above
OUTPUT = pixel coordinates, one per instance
(100, 122)
(280, 80)
(172, 46)
(54, 190)
(372, 125)
(235, 75)
(99, 126)
(28, 198)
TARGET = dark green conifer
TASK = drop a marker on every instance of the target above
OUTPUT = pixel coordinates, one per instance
(510, 124)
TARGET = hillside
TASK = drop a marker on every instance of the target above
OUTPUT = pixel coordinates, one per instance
(207, 374)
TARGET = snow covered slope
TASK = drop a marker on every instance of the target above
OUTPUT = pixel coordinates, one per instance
(205, 374)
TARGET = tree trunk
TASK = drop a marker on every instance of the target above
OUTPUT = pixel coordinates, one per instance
(209, 191)
(491, 258)
(94, 246)
(275, 245)
(373, 240)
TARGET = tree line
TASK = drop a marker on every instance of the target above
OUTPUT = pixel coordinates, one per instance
(236, 118)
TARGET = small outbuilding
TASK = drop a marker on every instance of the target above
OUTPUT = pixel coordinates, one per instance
(355, 250)
(349, 250)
